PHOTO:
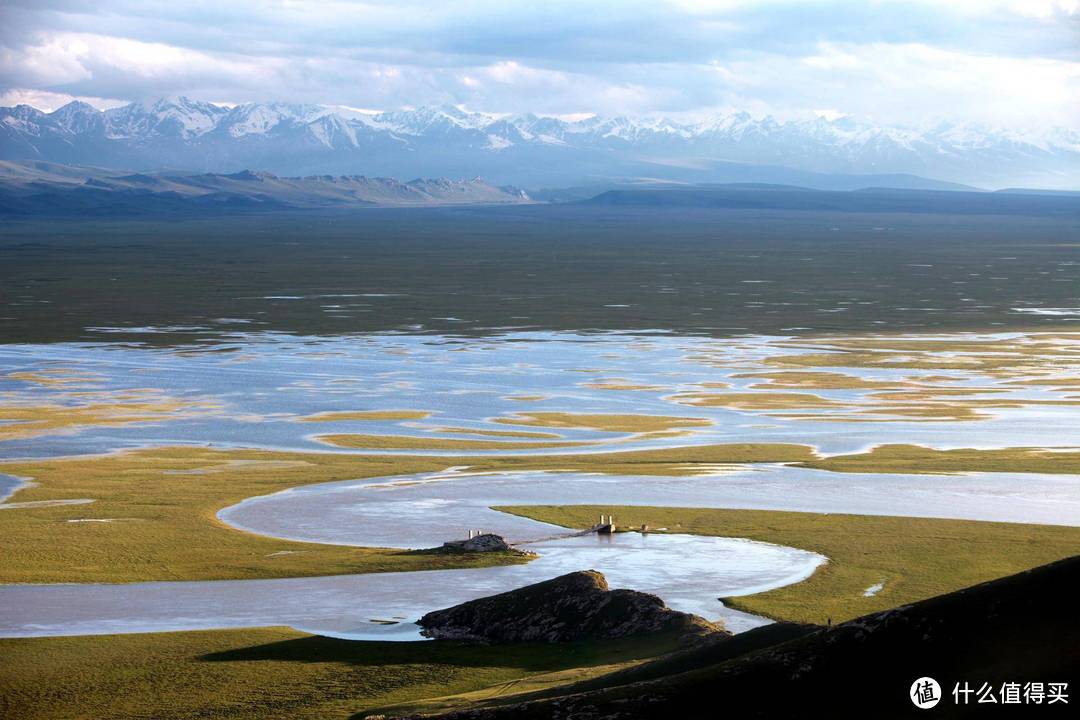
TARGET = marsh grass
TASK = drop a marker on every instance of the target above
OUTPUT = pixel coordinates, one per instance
(924, 460)
(755, 400)
(628, 423)
(792, 380)
(493, 433)
(30, 421)
(414, 442)
(373, 415)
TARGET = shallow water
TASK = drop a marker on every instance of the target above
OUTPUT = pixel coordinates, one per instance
(264, 383)
(352, 605)
(423, 511)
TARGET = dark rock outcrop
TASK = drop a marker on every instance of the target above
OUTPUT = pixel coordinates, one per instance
(487, 542)
(578, 606)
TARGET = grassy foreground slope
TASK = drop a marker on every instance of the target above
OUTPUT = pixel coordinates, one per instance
(913, 558)
(275, 673)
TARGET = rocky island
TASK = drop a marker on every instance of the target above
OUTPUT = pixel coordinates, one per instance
(577, 606)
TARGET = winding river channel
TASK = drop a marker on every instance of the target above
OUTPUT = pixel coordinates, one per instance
(265, 388)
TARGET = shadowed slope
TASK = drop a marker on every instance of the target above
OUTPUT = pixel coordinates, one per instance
(1018, 629)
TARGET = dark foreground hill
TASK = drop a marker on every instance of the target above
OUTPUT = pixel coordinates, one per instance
(1020, 629)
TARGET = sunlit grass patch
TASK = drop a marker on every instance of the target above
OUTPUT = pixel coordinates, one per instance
(59, 377)
(620, 384)
(755, 400)
(920, 459)
(414, 442)
(494, 433)
(791, 380)
(28, 421)
(629, 423)
(373, 415)
(1025, 354)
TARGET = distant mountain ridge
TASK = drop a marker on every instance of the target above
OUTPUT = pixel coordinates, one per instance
(530, 150)
(872, 200)
(37, 188)
(40, 188)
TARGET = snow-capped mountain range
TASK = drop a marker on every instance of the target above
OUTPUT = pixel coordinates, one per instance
(535, 151)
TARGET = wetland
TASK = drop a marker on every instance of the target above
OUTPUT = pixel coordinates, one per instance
(216, 435)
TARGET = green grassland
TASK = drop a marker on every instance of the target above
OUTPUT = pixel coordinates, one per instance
(915, 558)
(276, 673)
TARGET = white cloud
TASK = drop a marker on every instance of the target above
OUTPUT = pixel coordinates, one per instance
(49, 101)
(981, 60)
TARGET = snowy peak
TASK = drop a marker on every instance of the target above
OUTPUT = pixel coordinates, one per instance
(164, 117)
(522, 149)
(77, 117)
(260, 119)
(443, 119)
(332, 131)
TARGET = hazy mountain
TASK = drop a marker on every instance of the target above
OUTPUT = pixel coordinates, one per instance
(536, 151)
(41, 188)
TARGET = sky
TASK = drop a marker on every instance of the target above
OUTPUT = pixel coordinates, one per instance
(1003, 62)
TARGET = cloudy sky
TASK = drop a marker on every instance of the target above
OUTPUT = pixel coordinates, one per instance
(1014, 62)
